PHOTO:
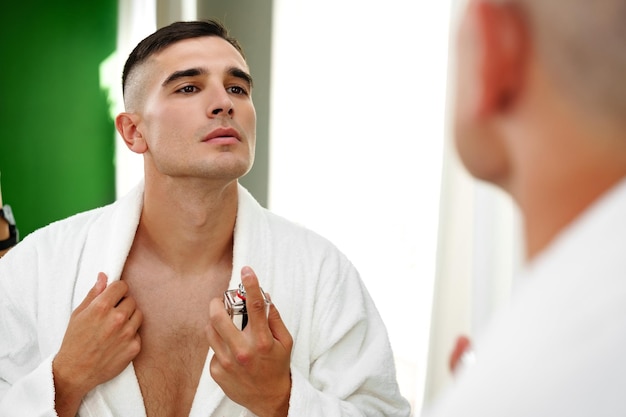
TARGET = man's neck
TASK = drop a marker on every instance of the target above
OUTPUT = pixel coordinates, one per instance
(188, 227)
(556, 204)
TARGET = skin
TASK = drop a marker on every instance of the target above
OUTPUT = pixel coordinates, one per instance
(4, 229)
(518, 128)
(461, 347)
(190, 114)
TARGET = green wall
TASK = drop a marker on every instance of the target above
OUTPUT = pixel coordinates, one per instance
(56, 138)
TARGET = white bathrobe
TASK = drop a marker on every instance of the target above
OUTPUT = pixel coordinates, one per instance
(557, 349)
(341, 362)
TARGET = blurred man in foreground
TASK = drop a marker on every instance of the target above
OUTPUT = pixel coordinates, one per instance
(541, 113)
(9, 235)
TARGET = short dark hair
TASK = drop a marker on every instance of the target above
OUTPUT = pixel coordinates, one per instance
(171, 34)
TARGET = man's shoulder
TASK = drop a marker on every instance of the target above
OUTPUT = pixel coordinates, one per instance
(289, 228)
(300, 239)
(281, 228)
(67, 229)
(62, 238)
(81, 221)
(75, 220)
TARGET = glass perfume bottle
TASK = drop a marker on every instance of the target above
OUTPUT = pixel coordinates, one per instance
(235, 303)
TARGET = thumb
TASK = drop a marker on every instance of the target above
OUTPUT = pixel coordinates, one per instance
(96, 290)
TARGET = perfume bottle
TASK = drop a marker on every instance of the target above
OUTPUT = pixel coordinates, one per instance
(235, 303)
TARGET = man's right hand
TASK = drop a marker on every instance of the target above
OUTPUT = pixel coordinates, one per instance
(100, 341)
(461, 354)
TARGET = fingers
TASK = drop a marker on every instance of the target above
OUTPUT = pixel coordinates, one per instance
(101, 282)
(461, 348)
(136, 319)
(252, 366)
(101, 337)
(219, 324)
(110, 295)
(114, 293)
(223, 336)
(96, 290)
(127, 306)
(278, 328)
(226, 339)
(255, 302)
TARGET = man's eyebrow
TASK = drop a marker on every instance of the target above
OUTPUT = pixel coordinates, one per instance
(191, 72)
(194, 72)
(239, 73)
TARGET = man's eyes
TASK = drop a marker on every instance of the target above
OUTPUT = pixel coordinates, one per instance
(235, 89)
(188, 89)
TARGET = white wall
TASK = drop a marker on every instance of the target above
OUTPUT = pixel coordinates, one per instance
(357, 128)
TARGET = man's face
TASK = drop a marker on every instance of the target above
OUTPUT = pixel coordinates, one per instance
(196, 113)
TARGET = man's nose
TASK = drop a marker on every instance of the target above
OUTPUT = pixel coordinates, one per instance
(220, 104)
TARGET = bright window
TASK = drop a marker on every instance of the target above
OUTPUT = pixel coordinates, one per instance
(357, 133)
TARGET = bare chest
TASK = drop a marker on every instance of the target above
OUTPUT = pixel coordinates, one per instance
(169, 368)
(174, 346)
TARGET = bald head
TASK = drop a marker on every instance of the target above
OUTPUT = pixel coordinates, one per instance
(582, 43)
(541, 105)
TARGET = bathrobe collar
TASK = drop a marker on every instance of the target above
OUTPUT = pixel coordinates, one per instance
(106, 250)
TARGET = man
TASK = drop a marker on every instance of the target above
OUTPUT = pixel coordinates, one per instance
(541, 112)
(119, 311)
(9, 235)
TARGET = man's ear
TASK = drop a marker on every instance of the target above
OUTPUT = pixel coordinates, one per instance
(503, 37)
(126, 124)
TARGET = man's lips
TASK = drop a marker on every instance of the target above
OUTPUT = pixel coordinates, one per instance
(223, 135)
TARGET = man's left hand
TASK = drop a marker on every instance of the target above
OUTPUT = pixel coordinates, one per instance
(252, 366)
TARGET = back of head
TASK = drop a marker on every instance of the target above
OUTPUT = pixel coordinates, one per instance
(582, 43)
(541, 106)
(169, 35)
